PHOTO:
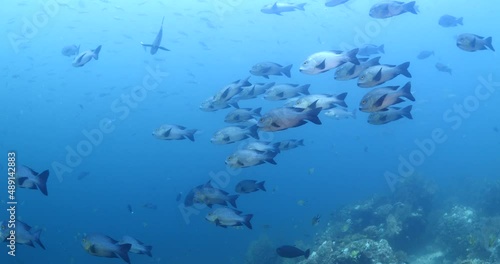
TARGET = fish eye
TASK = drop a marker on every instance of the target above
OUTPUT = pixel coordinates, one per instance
(362, 77)
(363, 102)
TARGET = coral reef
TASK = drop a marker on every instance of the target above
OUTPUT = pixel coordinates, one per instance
(363, 251)
(262, 251)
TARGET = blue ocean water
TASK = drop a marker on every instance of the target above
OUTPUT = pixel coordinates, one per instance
(49, 107)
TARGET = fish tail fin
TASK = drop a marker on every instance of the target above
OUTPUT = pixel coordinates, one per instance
(254, 131)
(403, 69)
(96, 52)
(36, 238)
(148, 250)
(232, 200)
(122, 252)
(256, 111)
(406, 112)
(410, 7)
(270, 159)
(286, 70)
(406, 91)
(247, 219)
(42, 181)
(190, 134)
(304, 89)
(261, 186)
(381, 49)
(312, 115)
(307, 253)
(460, 21)
(341, 97)
(301, 6)
(351, 56)
(487, 42)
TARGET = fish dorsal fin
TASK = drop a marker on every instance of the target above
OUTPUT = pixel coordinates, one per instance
(322, 65)
(275, 6)
(378, 76)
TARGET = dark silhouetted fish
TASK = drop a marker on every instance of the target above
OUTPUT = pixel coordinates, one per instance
(156, 45)
(292, 252)
(450, 21)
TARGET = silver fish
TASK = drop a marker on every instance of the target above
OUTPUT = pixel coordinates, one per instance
(388, 9)
(391, 114)
(156, 45)
(247, 158)
(379, 74)
(174, 132)
(30, 179)
(370, 49)
(349, 70)
(471, 42)
(103, 246)
(86, 56)
(285, 91)
(326, 60)
(137, 247)
(383, 97)
(341, 113)
(265, 69)
(242, 115)
(233, 134)
(450, 21)
(249, 186)
(70, 50)
(443, 68)
(288, 117)
(252, 91)
(278, 7)
(325, 101)
(225, 217)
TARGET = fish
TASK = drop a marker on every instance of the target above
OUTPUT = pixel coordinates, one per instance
(86, 56)
(70, 50)
(30, 179)
(443, 68)
(388, 9)
(137, 247)
(315, 220)
(349, 71)
(242, 114)
(471, 42)
(25, 234)
(379, 74)
(244, 158)
(262, 147)
(324, 61)
(289, 144)
(209, 195)
(225, 97)
(278, 7)
(285, 91)
(383, 97)
(332, 3)
(391, 114)
(424, 54)
(174, 132)
(292, 252)
(156, 45)
(341, 113)
(104, 246)
(252, 91)
(225, 217)
(288, 117)
(231, 134)
(265, 69)
(324, 101)
(249, 186)
(450, 21)
(370, 49)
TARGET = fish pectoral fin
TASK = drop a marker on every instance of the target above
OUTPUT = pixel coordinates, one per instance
(378, 76)
(274, 124)
(146, 45)
(240, 163)
(167, 133)
(322, 65)
(163, 48)
(380, 101)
